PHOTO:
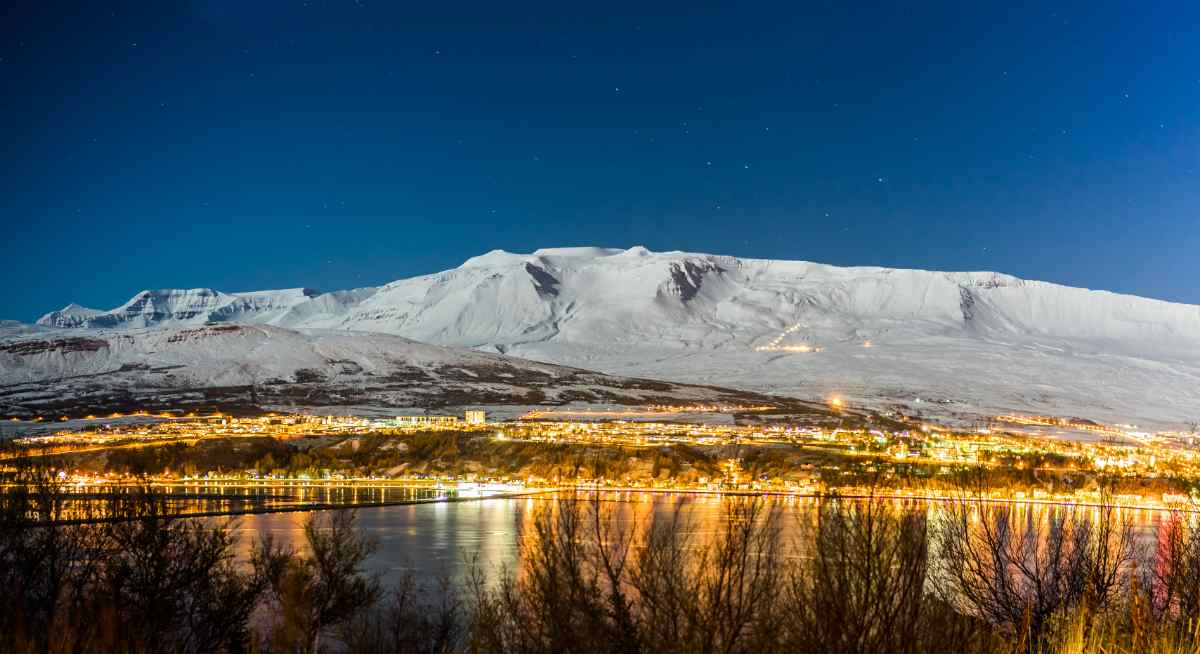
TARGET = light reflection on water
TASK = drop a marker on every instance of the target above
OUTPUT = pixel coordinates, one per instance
(444, 539)
(439, 540)
(200, 498)
(430, 540)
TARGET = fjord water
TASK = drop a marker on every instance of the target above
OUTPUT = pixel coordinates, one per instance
(439, 540)
(443, 540)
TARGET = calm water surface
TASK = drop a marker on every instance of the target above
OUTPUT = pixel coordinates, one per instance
(439, 540)
(442, 539)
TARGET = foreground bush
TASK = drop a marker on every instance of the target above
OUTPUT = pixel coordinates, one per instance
(127, 575)
(594, 576)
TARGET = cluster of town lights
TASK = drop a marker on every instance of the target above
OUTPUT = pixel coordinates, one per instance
(938, 447)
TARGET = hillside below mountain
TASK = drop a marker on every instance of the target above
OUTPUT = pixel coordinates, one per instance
(53, 372)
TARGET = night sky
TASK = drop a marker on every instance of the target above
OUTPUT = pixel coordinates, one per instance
(256, 144)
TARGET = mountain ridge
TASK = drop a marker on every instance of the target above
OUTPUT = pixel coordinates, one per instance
(75, 315)
(979, 341)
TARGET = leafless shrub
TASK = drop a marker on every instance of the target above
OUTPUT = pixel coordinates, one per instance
(46, 568)
(1018, 567)
(171, 583)
(410, 622)
(311, 595)
(865, 575)
(863, 585)
(141, 580)
(589, 583)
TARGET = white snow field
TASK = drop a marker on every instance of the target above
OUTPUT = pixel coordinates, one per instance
(56, 372)
(944, 344)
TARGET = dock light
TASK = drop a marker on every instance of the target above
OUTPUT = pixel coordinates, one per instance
(867, 344)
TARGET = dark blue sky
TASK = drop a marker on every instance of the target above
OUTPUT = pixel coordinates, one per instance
(337, 144)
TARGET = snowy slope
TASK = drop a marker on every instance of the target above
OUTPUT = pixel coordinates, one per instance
(958, 342)
(48, 370)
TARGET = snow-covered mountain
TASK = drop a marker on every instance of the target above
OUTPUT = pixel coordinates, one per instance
(182, 307)
(958, 342)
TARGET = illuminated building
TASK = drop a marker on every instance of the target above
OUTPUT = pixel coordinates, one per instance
(421, 421)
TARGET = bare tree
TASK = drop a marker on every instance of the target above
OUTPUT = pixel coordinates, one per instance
(326, 589)
(1017, 567)
(564, 597)
(410, 622)
(1172, 577)
(171, 583)
(80, 576)
(46, 566)
(862, 586)
(590, 582)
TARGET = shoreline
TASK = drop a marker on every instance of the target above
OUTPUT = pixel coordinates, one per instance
(323, 506)
(540, 493)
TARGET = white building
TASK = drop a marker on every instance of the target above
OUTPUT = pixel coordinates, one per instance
(421, 421)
